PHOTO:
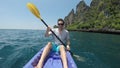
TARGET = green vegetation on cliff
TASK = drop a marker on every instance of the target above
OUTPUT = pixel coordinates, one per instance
(101, 15)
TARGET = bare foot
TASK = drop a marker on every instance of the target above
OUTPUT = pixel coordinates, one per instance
(38, 66)
(35, 67)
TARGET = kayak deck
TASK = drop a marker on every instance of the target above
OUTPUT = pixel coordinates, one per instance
(53, 60)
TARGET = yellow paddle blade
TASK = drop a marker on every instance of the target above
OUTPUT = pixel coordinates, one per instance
(34, 10)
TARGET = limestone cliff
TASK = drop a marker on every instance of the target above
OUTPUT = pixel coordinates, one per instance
(103, 15)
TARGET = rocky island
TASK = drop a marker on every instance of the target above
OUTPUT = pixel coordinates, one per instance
(101, 16)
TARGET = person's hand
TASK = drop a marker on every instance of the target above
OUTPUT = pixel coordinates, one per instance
(68, 47)
(48, 28)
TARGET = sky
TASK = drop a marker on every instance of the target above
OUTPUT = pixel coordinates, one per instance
(14, 14)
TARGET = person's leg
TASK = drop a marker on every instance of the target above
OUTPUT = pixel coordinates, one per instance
(44, 54)
(63, 56)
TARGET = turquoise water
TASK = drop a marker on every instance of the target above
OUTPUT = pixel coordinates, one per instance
(93, 50)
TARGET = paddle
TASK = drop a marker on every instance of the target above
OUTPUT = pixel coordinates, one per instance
(35, 11)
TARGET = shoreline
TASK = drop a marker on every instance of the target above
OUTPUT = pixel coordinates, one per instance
(98, 31)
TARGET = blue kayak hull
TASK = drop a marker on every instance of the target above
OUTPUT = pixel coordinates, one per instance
(53, 60)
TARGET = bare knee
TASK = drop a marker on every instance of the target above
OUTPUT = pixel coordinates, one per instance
(62, 48)
(49, 45)
(62, 51)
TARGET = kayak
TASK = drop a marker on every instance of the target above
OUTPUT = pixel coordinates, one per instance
(53, 60)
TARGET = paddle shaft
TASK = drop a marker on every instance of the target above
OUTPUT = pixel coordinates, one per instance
(53, 32)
